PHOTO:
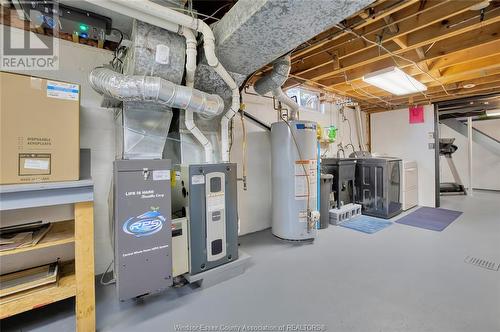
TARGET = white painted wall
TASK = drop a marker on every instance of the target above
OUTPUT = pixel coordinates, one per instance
(392, 134)
(485, 164)
(255, 204)
(96, 132)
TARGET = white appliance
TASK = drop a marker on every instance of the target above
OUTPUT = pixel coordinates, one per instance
(409, 184)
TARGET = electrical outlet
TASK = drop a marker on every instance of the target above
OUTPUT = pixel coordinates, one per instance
(431, 146)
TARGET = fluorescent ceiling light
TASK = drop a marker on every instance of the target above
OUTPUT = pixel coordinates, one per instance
(395, 81)
(493, 112)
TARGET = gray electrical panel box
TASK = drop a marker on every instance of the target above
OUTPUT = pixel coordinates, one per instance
(142, 227)
(208, 195)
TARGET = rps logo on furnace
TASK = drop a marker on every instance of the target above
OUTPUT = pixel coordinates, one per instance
(145, 224)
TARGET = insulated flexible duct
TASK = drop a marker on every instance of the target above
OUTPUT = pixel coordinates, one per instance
(273, 81)
(154, 89)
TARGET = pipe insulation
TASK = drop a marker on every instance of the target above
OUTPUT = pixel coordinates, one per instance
(273, 82)
(190, 70)
(154, 89)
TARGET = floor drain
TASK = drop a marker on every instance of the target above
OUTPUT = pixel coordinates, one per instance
(484, 263)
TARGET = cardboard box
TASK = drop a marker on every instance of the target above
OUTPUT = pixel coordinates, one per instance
(39, 130)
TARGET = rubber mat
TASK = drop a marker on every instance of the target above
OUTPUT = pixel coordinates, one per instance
(435, 219)
(366, 224)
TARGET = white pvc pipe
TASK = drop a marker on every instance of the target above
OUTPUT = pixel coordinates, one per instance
(190, 71)
(140, 15)
(158, 11)
(359, 127)
(235, 105)
(283, 98)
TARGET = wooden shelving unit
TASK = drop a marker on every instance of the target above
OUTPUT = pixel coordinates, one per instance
(39, 297)
(60, 233)
(76, 277)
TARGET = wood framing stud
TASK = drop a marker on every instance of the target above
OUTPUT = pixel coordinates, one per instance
(84, 267)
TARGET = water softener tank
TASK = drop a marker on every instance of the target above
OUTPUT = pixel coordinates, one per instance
(289, 181)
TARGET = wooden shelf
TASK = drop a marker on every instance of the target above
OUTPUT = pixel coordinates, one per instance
(39, 297)
(60, 233)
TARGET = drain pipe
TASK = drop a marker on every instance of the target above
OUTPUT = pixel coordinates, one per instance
(190, 70)
(154, 89)
(279, 94)
(273, 82)
(149, 8)
(359, 127)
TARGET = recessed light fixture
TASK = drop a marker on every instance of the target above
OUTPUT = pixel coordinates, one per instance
(469, 86)
(495, 112)
(395, 81)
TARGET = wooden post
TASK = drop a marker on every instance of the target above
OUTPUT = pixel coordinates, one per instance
(84, 267)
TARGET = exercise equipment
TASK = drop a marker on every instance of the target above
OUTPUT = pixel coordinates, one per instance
(447, 149)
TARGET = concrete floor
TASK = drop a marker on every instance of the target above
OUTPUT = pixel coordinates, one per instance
(400, 279)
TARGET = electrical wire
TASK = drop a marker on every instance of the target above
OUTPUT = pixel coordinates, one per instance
(112, 280)
(215, 12)
(338, 33)
(192, 13)
(396, 55)
(119, 53)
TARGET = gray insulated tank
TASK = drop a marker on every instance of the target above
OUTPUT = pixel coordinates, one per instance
(289, 181)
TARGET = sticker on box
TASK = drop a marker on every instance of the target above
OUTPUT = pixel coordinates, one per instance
(36, 164)
(198, 179)
(62, 90)
(161, 175)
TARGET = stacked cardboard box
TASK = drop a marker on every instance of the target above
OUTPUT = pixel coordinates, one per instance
(39, 129)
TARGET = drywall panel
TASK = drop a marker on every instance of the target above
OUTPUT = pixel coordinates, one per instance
(485, 164)
(392, 134)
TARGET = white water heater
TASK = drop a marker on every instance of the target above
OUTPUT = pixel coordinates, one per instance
(291, 171)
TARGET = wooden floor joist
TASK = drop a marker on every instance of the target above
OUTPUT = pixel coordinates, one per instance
(451, 44)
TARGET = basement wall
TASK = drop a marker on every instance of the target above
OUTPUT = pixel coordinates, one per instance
(392, 134)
